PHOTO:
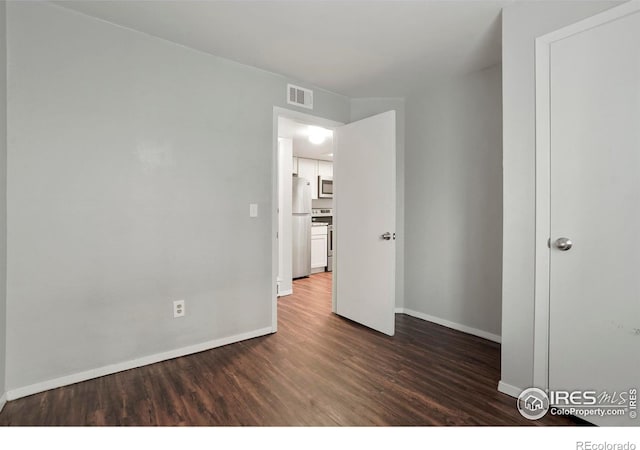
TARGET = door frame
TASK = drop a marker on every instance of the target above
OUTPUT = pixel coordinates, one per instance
(543, 180)
(312, 120)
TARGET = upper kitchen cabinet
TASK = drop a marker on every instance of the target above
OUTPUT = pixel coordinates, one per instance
(308, 168)
(325, 169)
(311, 169)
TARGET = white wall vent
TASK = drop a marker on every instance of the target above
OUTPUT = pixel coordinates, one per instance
(299, 96)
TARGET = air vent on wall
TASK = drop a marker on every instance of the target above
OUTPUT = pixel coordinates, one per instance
(300, 96)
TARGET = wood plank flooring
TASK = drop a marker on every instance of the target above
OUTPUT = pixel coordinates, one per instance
(319, 369)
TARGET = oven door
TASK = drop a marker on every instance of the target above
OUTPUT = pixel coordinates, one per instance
(325, 187)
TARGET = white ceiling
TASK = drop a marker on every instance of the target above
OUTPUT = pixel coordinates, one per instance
(299, 133)
(359, 48)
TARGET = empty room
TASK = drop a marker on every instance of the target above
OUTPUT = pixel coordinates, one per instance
(320, 213)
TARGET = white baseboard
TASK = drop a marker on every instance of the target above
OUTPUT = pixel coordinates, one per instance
(453, 325)
(508, 389)
(24, 391)
(283, 293)
(3, 401)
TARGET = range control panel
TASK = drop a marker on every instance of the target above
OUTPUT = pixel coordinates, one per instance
(318, 212)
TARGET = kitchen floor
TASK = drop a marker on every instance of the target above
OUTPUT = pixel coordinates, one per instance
(319, 369)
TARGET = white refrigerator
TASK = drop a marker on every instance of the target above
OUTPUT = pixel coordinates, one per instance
(301, 229)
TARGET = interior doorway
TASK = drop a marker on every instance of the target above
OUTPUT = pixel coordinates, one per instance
(363, 214)
(304, 154)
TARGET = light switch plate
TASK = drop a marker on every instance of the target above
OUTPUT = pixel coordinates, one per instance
(253, 210)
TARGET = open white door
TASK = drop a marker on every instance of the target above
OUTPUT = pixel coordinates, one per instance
(365, 221)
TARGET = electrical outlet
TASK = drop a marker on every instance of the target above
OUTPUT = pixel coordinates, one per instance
(178, 309)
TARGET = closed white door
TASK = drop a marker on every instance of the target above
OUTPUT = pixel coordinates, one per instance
(364, 175)
(594, 308)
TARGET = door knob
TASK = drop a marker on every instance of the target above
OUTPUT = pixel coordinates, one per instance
(563, 244)
(386, 236)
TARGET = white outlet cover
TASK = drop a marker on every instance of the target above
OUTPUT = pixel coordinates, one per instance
(253, 210)
(178, 308)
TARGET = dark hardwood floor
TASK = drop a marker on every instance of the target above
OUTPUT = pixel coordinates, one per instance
(319, 369)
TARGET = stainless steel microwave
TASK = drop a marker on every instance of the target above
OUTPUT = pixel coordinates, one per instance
(325, 187)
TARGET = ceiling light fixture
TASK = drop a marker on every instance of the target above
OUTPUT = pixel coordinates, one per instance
(317, 135)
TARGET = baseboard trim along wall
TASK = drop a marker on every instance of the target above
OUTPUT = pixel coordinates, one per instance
(14, 394)
(508, 389)
(283, 293)
(3, 401)
(449, 324)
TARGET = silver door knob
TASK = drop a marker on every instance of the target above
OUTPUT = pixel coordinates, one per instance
(563, 244)
(386, 236)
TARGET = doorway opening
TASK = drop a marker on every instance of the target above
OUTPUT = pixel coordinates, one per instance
(363, 215)
(304, 148)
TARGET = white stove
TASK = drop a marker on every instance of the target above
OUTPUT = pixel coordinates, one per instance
(324, 217)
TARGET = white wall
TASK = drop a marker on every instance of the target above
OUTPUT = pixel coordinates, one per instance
(133, 162)
(453, 202)
(3, 195)
(322, 203)
(285, 224)
(366, 107)
(522, 23)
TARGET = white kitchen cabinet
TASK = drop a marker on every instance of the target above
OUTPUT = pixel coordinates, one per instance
(308, 168)
(318, 248)
(295, 165)
(325, 169)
